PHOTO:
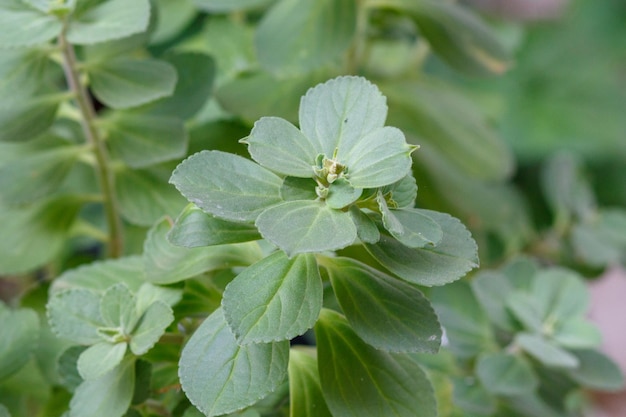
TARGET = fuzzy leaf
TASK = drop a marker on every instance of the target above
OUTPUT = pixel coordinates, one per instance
(411, 227)
(274, 299)
(505, 374)
(23, 25)
(117, 308)
(19, 335)
(74, 315)
(305, 392)
(366, 229)
(27, 118)
(150, 327)
(99, 359)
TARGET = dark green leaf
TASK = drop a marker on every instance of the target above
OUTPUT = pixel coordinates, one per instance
(23, 25)
(385, 312)
(597, 371)
(506, 374)
(74, 314)
(19, 335)
(296, 37)
(67, 368)
(274, 299)
(219, 376)
(227, 185)
(359, 380)
(27, 118)
(545, 351)
(305, 393)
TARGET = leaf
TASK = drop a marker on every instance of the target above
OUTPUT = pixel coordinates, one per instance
(366, 229)
(452, 258)
(108, 395)
(526, 309)
(112, 19)
(402, 192)
(492, 290)
(577, 333)
(171, 19)
(560, 294)
(27, 118)
(150, 327)
(219, 376)
(341, 194)
(142, 140)
(305, 392)
(99, 359)
(4, 412)
(37, 175)
(165, 263)
(226, 185)
(195, 228)
(306, 226)
(25, 26)
(358, 380)
(74, 314)
(274, 299)
(19, 335)
(69, 377)
(35, 234)
(546, 351)
(600, 241)
(117, 308)
(122, 83)
(295, 37)
(385, 312)
(471, 397)
(220, 6)
(410, 226)
(596, 371)
(506, 374)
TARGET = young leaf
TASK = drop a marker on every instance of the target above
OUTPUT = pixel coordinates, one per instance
(359, 380)
(306, 226)
(117, 308)
(109, 395)
(99, 359)
(219, 376)
(596, 371)
(341, 194)
(19, 335)
(74, 315)
(274, 299)
(560, 294)
(104, 21)
(305, 393)
(526, 309)
(23, 25)
(452, 258)
(410, 226)
(194, 228)
(546, 351)
(165, 263)
(122, 83)
(403, 192)
(226, 185)
(577, 333)
(150, 327)
(295, 37)
(506, 374)
(366, 229)
(385, 312)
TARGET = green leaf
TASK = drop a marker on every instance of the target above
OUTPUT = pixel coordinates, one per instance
(366, 229)
(601, 240)
(117, 308)
(23, 25)
(546, 351)
(220, 6)
(294, 188)
(306, 226)
(35, 234)
(560, 294)
(359, 380)
(4, 412)
(472, 397)
(452, 258)
(403, 192)
(165, 263)
(74, 314)
(37, 175)
(19, 335)
(112, 19)
(109, 395)
(194, 228)
(141, 140)
(150, 327)
(171, 19)
(69, 377)
(99, 359)
(27, 118)
(305, 392)
(122, 83)
(526, 309)
(385, 312)
(219, 376)
(596, 371)
(492, 290)
(226, 185)
(410, 226)
(341, 194)
(577, 333)
(274, 299)
(295, 37)
(506, 374)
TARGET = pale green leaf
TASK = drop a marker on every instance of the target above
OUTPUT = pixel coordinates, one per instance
(117, 308)
(28, 117)
(403, 192)
(492, 290)
(506, 374)
(577, 333)
(74, 314)
(294, 188)
(109, 395)
(99, 359)
(560, 294)
(280, 146)
(165, 263)
(226, 185)
(361, 381)
(601, 241)
(341, 194)
(545, 351)
(23, 25)
(526, 309)
(172, 18)
(387, 313)
(150, 327)
(194, 228)
(306, 226)
(112, 19)
(411, 227)
(452, 258)
(122, 83)
(305, 392)
(141, 140)
(297, 37)
(597, 371)
(274, 299)
(220, 6)
(366, 229)
(149, 294)
(219, 376)
(19, 335)
(472, 397)
(27, 72)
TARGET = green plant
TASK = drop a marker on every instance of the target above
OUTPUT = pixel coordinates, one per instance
(290, 266)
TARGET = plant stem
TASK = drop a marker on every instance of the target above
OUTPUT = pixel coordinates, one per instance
(357, 50)
(92, 135)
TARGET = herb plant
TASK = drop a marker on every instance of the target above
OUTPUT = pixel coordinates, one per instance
(211, 208)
